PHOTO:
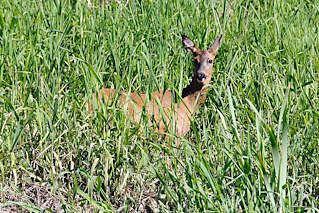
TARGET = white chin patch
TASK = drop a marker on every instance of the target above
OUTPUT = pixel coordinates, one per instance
(200, 81)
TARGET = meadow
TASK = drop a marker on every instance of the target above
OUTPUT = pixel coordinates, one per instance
(253, 145)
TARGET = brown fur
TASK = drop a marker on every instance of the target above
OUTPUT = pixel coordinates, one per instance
(162, 105)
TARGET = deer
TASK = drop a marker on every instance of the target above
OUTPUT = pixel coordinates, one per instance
(163, 106)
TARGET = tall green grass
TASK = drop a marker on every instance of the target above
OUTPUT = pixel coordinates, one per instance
(253, 145)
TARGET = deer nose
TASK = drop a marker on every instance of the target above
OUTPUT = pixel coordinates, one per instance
(201, 76)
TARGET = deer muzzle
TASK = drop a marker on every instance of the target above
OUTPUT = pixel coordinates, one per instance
(200, 76)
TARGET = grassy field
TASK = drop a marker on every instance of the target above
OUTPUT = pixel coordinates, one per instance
(253, 146)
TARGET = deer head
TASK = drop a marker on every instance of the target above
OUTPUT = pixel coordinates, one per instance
(203, 60)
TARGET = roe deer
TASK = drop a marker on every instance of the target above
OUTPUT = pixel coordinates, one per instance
(162, 105)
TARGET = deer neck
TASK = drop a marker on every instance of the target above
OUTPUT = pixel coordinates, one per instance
(194, 95)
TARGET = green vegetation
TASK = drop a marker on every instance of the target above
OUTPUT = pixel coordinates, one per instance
(253, 145)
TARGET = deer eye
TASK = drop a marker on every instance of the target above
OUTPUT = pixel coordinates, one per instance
(195, 60)
(210, 61)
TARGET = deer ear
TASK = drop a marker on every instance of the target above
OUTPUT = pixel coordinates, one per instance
(216, 45)
(190, 46)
